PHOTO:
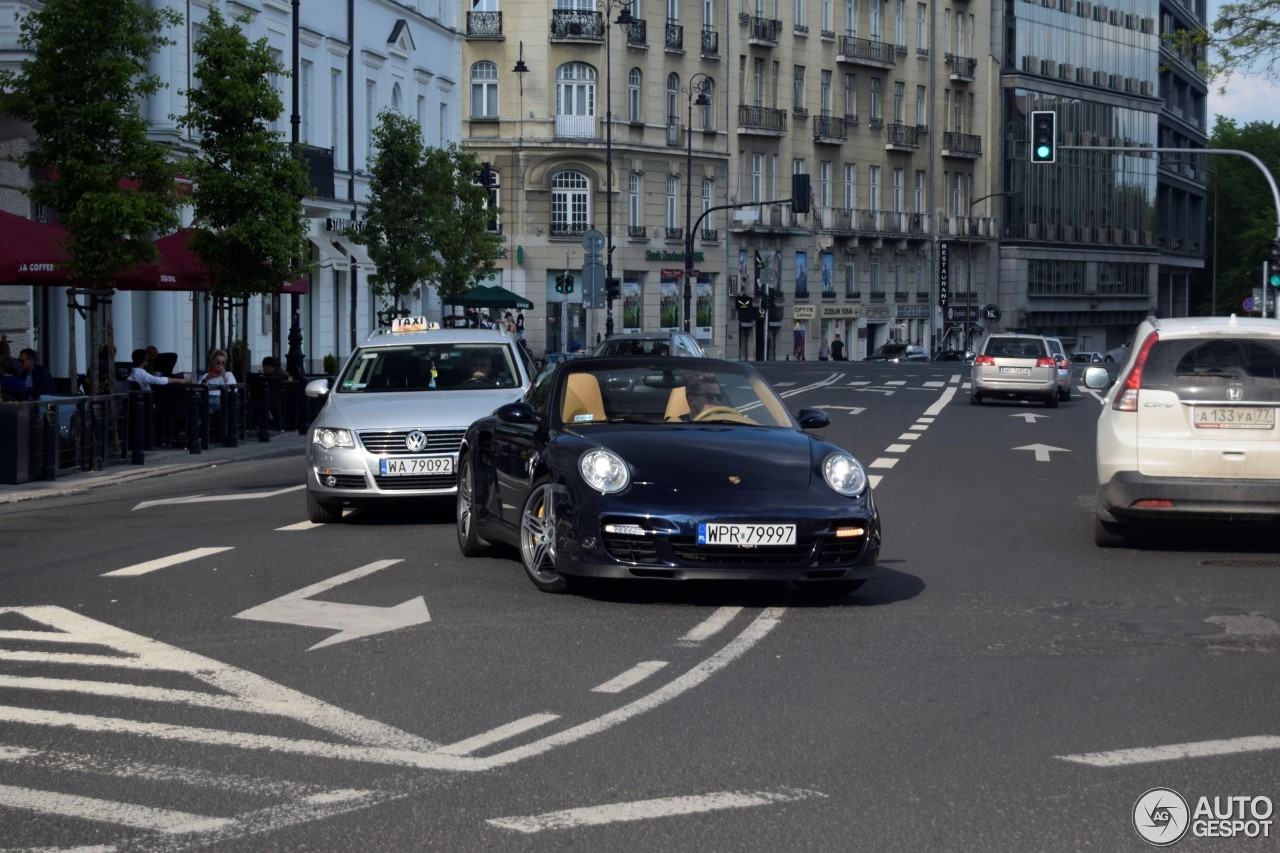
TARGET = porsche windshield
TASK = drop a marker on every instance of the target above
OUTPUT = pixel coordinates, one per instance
(644, 393)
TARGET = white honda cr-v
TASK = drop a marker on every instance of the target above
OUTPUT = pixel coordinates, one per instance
(1188, 429)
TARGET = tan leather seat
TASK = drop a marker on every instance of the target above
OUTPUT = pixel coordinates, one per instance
(582, 400)
(677, 405)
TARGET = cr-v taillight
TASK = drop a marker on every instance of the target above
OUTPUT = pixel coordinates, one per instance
(1127, 398)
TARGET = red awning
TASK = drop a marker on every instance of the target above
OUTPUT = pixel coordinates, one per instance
(179, 268)
(32, 252)
(176, 268)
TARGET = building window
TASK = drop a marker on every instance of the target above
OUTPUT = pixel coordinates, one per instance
(919, 192)
(899, 97)
(824, 93)
(851, 18)
(306, 94)
(673, 100)
(922, 29)
(824, 184)
(899, 177)
(851, 96)
(575, 101)
(707, 188)
(797, 89)
(850, 186)
(569, 203)
(873, 267)
(336, 136)
(922, 109)
(633, 201)
(634, 79)
(370, 116)
(875, 20)
(873, 188)
(484, 90)
(875, 99)
(850, 275)
(757, 176)
(673, 202)
(395, 98)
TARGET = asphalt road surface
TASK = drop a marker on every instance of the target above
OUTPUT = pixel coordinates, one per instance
(186, 663)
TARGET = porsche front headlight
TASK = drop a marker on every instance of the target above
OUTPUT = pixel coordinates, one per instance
(331, 438)
(604, 471)
(844, 474)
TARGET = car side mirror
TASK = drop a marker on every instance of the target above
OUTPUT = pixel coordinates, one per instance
(317, 388)
(813, 418)
(1097, 378)
(519, 412)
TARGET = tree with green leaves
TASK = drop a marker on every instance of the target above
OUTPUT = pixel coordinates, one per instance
(427, 218)
(398, 220)
(1244, 37)
(1243, 215)
(249, 182)
(111, 186)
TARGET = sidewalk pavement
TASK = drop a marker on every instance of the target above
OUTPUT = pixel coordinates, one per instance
(160, 462)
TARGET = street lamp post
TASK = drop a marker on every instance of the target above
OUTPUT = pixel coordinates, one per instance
(968, 265)
(697, 92)
(624, 20)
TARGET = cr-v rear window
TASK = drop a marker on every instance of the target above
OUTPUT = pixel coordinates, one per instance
(1193, 362)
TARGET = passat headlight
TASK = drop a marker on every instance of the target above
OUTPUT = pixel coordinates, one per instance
(844, 474)
(604, 471)
(331, 438)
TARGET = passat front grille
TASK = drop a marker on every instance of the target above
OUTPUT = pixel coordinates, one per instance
(392, 442)
(423, 481)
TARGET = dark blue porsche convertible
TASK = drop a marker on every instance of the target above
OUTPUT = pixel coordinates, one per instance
(675, 468)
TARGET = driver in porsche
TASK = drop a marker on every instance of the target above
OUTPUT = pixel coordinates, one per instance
(702, 391)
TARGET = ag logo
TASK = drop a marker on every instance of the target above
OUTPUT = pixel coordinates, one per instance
(1161, 817)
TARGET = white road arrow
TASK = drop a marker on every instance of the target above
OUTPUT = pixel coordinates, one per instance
(200, 499)
(1030, 416)
(853, 410)
(1042, 451)
(349, 620)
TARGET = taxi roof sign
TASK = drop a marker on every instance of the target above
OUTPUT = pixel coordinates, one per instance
(412, 324)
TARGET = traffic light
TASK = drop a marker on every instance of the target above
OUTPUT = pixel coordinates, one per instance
(1274, 248)
(1273, 274)
(1044, 136)
(613, 288)
(568, 284)
(559, 284)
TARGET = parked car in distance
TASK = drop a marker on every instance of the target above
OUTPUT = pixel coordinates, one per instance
(960, 355)
(1013, 366)
(392, 423)
(650, 343)
(898, 352)
(650, 468)
(1188, 430)
(1087, 358)
(1064, 367)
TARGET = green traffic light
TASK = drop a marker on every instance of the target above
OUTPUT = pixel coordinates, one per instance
(1274, 281)
(1043, 151)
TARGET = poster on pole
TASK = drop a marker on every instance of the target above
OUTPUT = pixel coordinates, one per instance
(703, 318)
(668, 303)
(632, 307)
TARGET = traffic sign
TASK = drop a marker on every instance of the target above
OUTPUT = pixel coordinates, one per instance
(1249, 305)
(990, 313)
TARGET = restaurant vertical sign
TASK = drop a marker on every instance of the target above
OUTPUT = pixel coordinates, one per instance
(944, 285)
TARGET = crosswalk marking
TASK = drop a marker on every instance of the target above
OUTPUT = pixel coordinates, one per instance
(165, 562)
(108, 811)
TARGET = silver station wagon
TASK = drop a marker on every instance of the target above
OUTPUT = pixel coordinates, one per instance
(394, 419)
(1011, 366)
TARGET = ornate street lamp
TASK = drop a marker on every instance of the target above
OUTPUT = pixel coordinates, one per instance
(624, 20)
(697, 92)
(968, 288)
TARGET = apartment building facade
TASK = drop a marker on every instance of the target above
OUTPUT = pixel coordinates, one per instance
(926, 223)
(350, 59)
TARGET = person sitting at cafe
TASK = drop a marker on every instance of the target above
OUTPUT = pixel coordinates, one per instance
(217, 375)
(12, 389)
(35, 376)
(139, 373)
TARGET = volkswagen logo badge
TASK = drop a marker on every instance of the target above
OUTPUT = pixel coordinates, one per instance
(416, 441)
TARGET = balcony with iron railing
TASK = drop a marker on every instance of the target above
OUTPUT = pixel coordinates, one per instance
(859, 51)
(637, 33)
(484, 25)
(710, 235)
(757, 120)
(319, 169)
(965, 145)
(710, 43)
(576, 25)
(673, 233)
(637, 232)
(674, 37)
(764, 32)
(901, 137)
(829, 129)
(568, 229)
(962, 67)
